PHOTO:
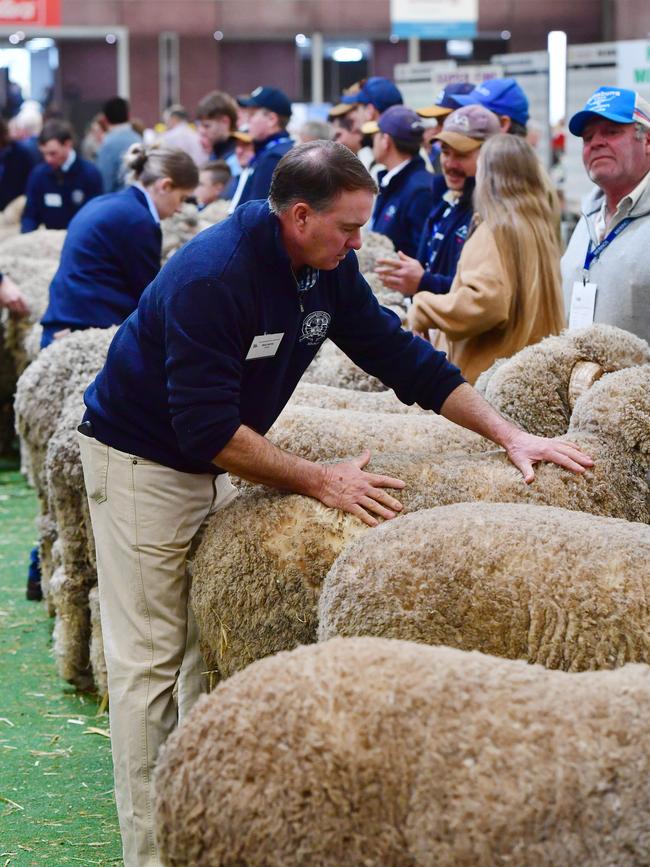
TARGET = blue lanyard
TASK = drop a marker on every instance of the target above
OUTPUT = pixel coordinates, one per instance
(595, 253)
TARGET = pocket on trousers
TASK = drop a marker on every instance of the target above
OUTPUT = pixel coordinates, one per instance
(94, 458)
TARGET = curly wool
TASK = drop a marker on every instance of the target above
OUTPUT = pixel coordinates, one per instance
(374, 246)
(563, 589)
(331, 366)
(393, 754)
(532, 387)
(261, 564)
(331, 397)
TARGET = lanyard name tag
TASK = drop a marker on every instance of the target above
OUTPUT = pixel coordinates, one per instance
(53, 200)
(583, 305)
(264, 346)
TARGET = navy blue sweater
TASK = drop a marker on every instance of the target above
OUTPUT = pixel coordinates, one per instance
(54, 197)
(402, 206)
(176, 385)
(268, 154)
(110, 254)
(443, 237)
(15, 165)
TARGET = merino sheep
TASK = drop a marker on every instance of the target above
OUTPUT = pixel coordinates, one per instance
(41, 244)
(537, 388)
(178, 229)
(564, 589)
(33, 276)
(393, 754)
(260, 566)
(332, 397)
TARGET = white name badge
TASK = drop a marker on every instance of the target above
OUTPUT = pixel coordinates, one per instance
(583, 303)
(264, 346)
(53, 200)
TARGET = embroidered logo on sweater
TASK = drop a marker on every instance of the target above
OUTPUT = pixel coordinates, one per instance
(314, 327)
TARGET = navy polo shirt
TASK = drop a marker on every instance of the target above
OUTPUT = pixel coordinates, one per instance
(268, 154)
(177, 382)
(55, 196)
(403, 204)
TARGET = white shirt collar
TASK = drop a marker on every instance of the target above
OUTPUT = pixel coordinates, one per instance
(150, 202)
(72, 156)
(388, 177)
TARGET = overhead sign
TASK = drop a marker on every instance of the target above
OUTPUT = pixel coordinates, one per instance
(421, 83)
(30, 13)
(434, 19)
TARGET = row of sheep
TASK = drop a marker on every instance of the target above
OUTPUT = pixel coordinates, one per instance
(479, 562)
(371, 747)
(258, 573)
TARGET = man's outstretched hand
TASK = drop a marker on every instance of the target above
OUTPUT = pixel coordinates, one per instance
(347, 487)
(524, 450)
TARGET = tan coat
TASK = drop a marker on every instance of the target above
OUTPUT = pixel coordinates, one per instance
(472, 320)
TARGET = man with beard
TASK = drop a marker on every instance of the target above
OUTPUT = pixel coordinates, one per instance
(447, 225)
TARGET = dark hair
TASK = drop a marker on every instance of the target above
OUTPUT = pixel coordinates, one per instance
(116, 110)
(55, 129)
(4, 132)
(344, 121)
(316, 173)
(517, 128)
(147, 164)
(407, 147)
(219, 171)
(215, 104)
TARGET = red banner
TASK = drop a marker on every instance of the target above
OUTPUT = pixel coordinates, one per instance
(30, 13)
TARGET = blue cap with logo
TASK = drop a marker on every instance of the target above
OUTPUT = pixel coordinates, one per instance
(399, 122)
(615, 104)
(503, 96)
(380, 92)
(270, 98)
(446, 100)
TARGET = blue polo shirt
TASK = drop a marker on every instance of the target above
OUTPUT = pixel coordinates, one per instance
(179, 378)
(110, 254)
(402, 206)
(54, 197)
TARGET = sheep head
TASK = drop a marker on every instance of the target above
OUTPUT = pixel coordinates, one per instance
(617, 410)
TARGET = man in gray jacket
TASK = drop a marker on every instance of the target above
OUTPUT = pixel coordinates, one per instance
(603, 284)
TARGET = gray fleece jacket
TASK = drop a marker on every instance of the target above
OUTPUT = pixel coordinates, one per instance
(622, 272)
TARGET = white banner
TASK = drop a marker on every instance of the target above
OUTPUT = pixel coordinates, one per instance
(434, 19)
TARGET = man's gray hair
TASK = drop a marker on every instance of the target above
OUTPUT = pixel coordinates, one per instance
(316, 173)
(640, 131)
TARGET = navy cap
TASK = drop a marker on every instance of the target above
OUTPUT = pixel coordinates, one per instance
(612, 103)
(380, 92)
(445, 102)
(503, 96)
(267, 97)
(399, 122)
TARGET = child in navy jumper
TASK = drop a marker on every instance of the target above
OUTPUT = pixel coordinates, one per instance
(61, 185)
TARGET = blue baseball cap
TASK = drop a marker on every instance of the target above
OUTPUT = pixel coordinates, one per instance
(380, 92)
(615, 104)
(445, 102)
(267, 97)
(399, 122)
(503, 96)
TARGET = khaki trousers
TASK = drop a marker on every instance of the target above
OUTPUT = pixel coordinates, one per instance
(144, 518)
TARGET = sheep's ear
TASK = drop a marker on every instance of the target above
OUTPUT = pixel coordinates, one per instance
(583, 376)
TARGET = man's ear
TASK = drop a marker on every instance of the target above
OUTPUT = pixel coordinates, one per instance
(300, 213)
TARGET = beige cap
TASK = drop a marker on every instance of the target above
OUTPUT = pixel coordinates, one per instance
(468, 127)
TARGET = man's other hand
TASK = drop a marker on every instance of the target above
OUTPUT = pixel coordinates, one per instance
(12, 298)
(524, 450)
(401, 275)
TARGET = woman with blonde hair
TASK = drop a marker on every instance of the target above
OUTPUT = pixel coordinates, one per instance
(507, 290)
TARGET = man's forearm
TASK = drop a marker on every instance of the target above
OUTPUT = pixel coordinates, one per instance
(466, 407)
(254, 458)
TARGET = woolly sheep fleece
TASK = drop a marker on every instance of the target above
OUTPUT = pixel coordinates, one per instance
(260, 566)
(564, 589)
(386, 753)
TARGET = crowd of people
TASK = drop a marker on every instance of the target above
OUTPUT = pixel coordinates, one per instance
(211, 347)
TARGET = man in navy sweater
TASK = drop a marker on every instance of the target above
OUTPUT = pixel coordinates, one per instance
(61, 185)
(447, 225)
(193, 380)
(405, 197)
